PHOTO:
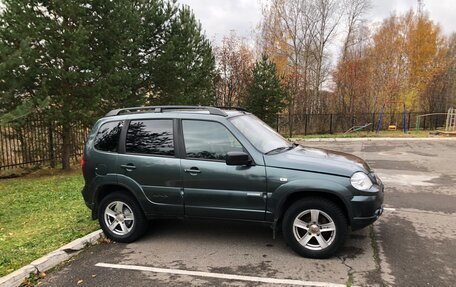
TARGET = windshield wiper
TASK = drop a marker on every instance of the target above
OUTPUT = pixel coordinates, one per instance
(278, 149)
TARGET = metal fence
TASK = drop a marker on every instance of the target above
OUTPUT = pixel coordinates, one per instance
(39, 142)
(35, 143)
(307, 124)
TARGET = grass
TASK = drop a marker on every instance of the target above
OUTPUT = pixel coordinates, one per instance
(369, 134)
(38, 214)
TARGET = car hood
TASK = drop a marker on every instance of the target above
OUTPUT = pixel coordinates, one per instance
(318, 160)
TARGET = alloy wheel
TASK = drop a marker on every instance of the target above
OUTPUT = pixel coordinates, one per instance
(119, 218)
(314, 229)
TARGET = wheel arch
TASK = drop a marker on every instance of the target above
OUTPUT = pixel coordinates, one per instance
(301, 194)
(109, 188)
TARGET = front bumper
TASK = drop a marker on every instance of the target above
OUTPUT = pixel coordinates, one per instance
(366, 209)
(361, 222)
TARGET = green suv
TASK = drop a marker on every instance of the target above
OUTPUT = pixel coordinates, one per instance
(205, 162)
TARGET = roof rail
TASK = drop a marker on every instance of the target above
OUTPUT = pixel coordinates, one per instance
(240, 109)
(160, 109)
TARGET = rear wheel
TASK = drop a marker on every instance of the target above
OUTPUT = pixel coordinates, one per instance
(121, 217)
(315, 227)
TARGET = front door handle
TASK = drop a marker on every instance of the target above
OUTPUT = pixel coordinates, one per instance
(193, 170)
(128, 167)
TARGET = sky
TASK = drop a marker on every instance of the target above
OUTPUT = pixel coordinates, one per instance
(219, 17)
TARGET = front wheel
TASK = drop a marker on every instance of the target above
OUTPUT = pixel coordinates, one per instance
(121, 217)
(315, 227)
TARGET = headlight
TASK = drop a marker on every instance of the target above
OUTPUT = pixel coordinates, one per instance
(361, 181)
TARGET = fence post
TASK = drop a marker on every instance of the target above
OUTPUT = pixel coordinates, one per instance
(4, 156)
(373, 122)
(51, 145)
(290, 125)
(277, 123)
(331, 123)
(408, 123)
(305, 125)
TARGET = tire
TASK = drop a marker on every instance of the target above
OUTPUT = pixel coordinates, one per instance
(315, 227)
(121, 217)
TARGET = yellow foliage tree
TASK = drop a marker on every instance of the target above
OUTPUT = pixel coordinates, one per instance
(426, 54)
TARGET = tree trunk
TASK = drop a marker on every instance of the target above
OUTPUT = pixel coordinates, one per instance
(66, 146)
(24, 147)
(51, 145)
(290, 119)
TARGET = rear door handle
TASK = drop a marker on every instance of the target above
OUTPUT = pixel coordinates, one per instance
(128, 166)
(193, 170)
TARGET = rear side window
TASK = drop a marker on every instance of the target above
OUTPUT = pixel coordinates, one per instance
(107, 138)
(150, 137)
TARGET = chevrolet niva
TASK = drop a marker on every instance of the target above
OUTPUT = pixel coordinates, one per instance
(223, 163)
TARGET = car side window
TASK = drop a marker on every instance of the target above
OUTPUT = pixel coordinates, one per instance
(154, 137)
(107, 138)
(208, 140)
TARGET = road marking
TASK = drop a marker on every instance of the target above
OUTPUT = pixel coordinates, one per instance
(421, 211)
(370, 139)
(389, 208)
(220, 275)
(416, 179)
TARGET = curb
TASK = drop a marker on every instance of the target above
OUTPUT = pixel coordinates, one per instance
(370, 139)
(51, 260)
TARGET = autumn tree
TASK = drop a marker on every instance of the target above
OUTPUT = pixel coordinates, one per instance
(426, 54)
(355, 11)
(408, 60)
(234, 70)
(440, 93)
(447, 78)
(329, 13)
(288, 28)
(353, 79)
(408, 54)
(296, 35)
(352, 73)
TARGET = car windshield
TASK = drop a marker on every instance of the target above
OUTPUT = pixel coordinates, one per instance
(259, 134)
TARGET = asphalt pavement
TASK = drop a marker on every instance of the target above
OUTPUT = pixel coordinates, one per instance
(412, 244)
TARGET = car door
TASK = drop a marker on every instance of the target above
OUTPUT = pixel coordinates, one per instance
(149, 158)
(211, 187)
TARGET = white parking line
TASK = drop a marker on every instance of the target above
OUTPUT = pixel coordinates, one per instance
(220, 275)
(421, 211)
(389, 208)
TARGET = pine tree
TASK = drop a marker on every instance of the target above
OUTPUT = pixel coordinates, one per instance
(185, 70)
(72, 53)
(84, 57)
(265, 97)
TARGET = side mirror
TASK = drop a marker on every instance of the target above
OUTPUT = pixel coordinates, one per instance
(238, 158)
